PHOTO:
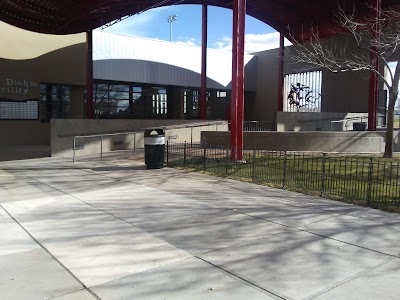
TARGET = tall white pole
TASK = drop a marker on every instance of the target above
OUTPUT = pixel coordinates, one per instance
(170, 31)
(171, 19)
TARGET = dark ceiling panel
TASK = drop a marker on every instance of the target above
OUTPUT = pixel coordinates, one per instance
(72, 16)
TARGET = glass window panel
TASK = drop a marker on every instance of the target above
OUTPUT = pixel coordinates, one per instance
(119, 88)
(221, 94)
(136, 96)
(57, 105)
(119, 95)
(102, 107)
(119, 106)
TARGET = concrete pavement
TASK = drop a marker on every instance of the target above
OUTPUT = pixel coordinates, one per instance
(114, 230)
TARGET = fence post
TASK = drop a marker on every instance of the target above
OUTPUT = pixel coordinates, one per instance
(369, 192)
(253, 163)
(284, 170)
(101, 148)
(184, 154)
(323, 173)
(74, 145)
(167, 152)
(205, 157)
(226, 160)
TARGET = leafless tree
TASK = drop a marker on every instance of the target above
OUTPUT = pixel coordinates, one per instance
(379, 33)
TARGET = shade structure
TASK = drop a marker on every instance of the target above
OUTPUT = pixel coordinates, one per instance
(70, 16)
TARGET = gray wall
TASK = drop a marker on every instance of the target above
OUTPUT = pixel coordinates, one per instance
(265, 102)
(341, 142)
(341, 92)
(130, 70)
(345, 92)
(311, 121)
(64, 130)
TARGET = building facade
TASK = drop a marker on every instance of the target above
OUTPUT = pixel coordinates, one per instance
(43, 77)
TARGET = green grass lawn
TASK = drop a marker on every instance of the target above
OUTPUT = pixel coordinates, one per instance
(362, 180)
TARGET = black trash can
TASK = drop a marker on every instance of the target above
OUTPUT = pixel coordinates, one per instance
(359, 126)
(154, 148)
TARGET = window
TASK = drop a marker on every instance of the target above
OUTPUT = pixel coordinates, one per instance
(111, 99)
(302, 92)
(221, 94)
(118, 99)
(159, 100)
(101, 105)
(195, 103)
(128, 100)
(54, 101)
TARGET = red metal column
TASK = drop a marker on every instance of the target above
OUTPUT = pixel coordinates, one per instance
(280, 71)
(203, 88)
(373, 93)
(374, 79)
(240, 76)
(89, 75)
(234, 98)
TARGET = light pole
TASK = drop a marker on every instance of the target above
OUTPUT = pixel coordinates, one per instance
(171, 19)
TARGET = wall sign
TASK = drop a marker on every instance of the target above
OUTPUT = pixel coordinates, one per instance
(19, 109)
(14, 87)
(16, 102)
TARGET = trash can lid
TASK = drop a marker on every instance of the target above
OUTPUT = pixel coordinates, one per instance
(154, 132)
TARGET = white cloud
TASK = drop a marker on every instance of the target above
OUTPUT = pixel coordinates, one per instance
(253, 42)
(189, 42)
(138, 25)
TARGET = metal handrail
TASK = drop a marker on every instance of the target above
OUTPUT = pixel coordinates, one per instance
(144, 128)
(134, 134)
(101, 141)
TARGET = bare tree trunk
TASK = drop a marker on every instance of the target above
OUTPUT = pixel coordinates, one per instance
(390, 126)
(393, 93)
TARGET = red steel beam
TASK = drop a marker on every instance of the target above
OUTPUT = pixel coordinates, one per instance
(280, 71)
(373, 93)
(89, 75)
(240, 76)
(234, 98)
(374, 79)
(203, 87)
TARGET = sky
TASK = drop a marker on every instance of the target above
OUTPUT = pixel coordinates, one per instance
(187, 28)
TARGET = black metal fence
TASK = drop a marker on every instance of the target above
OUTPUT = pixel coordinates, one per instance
(369, 181)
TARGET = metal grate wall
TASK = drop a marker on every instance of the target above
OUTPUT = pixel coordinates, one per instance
(302, 92)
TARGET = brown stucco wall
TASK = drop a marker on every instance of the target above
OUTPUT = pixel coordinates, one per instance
(28, 59)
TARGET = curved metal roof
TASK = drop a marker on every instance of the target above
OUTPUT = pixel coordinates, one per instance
(71, 16)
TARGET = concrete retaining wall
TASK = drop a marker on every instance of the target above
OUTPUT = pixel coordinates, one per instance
(342, 142)
(64, 130)
(320, 121)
